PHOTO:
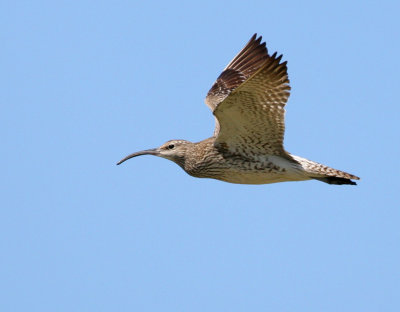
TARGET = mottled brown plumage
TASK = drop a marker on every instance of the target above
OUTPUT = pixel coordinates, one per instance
(248, 101)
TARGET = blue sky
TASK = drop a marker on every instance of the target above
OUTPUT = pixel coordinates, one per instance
(84, 83)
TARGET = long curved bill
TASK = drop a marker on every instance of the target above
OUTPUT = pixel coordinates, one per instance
(152, 151)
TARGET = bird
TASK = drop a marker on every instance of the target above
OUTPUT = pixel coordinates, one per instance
(248, 102)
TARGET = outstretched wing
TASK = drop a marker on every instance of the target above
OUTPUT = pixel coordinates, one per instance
(248, 102)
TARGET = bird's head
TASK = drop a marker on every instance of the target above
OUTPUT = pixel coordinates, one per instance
(174, 150)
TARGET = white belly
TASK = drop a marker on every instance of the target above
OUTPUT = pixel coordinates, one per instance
(268, 169)
(261, 177)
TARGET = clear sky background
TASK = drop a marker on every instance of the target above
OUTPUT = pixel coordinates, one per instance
(84, 83)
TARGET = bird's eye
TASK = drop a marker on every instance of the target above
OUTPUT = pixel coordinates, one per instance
(171, 146)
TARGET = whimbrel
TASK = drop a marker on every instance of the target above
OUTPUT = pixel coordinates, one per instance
(248, 101)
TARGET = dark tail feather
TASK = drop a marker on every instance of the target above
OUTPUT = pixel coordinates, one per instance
(336, 180)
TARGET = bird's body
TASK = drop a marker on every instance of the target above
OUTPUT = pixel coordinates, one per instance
(209, 161)
(248, 102)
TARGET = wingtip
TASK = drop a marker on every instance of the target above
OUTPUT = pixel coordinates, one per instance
(255, 39)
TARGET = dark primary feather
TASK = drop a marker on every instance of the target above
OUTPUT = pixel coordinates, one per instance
(244, 64)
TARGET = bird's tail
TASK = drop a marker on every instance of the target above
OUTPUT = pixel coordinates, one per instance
(324, 173)
(337, 180)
